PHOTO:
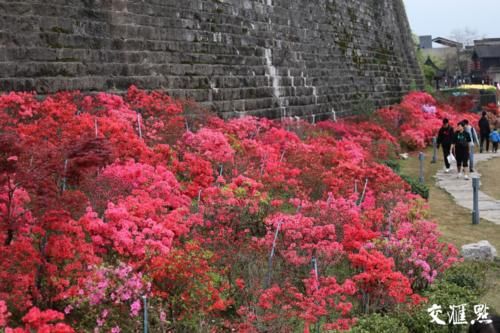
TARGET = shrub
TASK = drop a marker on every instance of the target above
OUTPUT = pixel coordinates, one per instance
(461, 284)
(444, 294)
(380, 324)
(416, 186)
(469, 275)
(269, 204)
(394, 165)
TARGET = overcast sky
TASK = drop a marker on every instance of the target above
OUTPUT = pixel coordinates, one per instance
(440, 17)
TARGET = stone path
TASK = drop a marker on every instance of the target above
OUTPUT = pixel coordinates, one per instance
(461, 190)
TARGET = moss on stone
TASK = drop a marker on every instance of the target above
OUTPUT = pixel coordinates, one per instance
(60, 30)
(352, 15)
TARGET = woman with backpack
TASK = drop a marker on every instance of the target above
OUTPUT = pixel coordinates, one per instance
(474, 141)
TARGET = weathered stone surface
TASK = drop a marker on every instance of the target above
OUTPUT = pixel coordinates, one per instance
(274, 57)
(482, 251)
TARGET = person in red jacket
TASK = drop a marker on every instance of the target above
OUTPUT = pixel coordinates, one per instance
(445, 139)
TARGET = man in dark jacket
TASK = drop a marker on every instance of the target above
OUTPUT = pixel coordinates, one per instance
(445, 139)
(484, 132)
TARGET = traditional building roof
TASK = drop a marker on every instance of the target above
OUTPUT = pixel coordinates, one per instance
(440, 73)
(487, 41)
(488, 51)
(447, 42)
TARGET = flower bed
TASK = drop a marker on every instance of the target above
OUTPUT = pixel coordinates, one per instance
(246, 224)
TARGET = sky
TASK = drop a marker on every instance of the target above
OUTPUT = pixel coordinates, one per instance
(440, 17)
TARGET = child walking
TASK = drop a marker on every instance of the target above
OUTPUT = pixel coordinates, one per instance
(495, 139)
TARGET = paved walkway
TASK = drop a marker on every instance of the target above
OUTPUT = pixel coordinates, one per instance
(461, 190)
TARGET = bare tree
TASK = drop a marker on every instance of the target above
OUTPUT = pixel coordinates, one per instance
(466, 36)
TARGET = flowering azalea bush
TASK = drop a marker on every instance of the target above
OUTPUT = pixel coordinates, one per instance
(418, 118)
(110, 298)
(4, 314)
(43, 322)
(248, 224)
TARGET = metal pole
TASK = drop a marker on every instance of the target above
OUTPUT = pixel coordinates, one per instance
(198, 204)
(329, 200)
(282, 155)
(362, 197)
(421, 158)
(64, 177)
(314, 264)
(145, 300)
(434, 146)
(475, 191)
(270, 263)
(139, 125)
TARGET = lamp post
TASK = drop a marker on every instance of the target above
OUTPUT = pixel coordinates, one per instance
(475, 205)
(434, 148)
(421, 158)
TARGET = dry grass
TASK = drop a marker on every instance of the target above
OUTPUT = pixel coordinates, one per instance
(455, 222)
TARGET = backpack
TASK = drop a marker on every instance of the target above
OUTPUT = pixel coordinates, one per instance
(495, 137)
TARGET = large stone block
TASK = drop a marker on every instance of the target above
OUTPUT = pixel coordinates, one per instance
(482, 251)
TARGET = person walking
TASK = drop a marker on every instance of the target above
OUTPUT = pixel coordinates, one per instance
(484, 132)
(474, 141)
(498, 93)
(495, 139)
(460, 149)
(445, 139)
(495, 123)
(492, 118)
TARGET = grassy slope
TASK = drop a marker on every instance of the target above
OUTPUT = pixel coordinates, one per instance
(455, 223)
(490, 177)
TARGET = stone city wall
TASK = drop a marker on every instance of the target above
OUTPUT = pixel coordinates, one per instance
(271, 58)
